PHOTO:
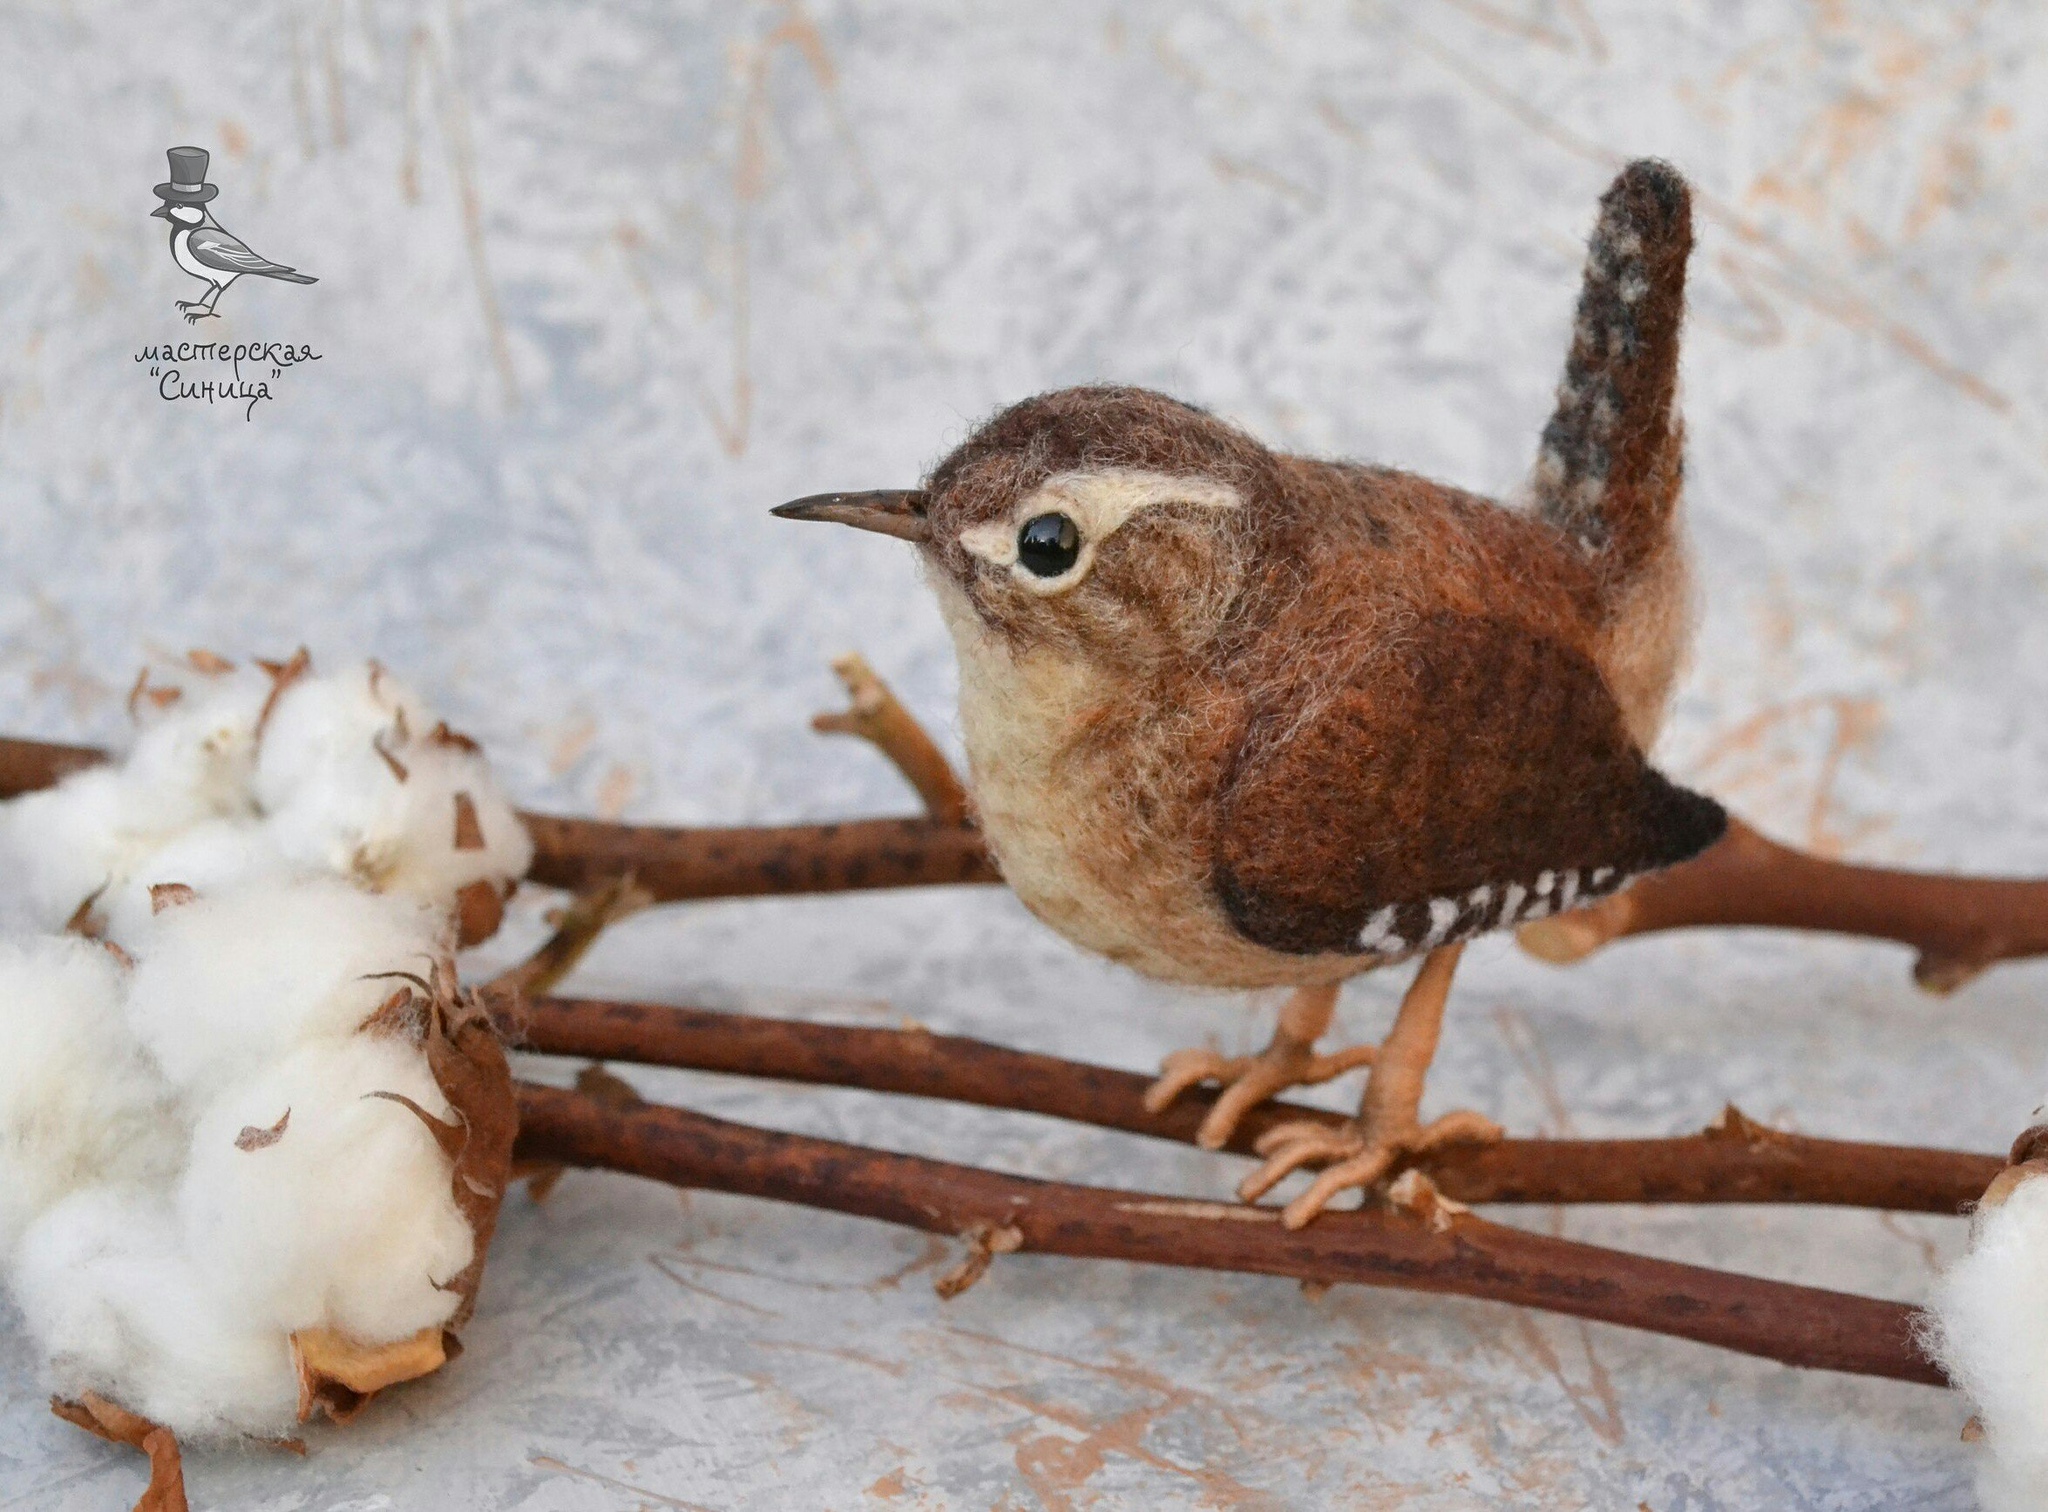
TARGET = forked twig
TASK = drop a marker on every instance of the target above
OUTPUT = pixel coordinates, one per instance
(877, 716)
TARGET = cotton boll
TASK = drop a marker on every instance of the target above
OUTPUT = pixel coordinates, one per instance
(353, 779)
(346, 1217)
(227, 984)
(207, 1151)
(79, 1102)
(195, 753)
(329, 777)
(1991, 1334)
(120, 1308)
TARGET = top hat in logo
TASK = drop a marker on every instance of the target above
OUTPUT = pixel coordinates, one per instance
(201, 245)
(188, 184)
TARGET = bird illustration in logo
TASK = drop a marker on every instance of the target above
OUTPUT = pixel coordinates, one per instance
(200, 245)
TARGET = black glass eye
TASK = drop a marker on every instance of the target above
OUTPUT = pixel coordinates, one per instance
(1048, 544)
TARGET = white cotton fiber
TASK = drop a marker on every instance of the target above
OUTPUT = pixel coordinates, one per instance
(214, 1124)
(240, 773)
(217, 855)
(122, 1308)
(79, 1102)
(228, 983)
(207, 1152)
(353, 779)
(346, 1219)
(1991, 1335)
(59, 847)
(193, 760)
(194, 753)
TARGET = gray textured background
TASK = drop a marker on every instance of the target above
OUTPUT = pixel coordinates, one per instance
(600, 285)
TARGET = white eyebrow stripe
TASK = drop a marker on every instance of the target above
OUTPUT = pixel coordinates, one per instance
(1099, 502)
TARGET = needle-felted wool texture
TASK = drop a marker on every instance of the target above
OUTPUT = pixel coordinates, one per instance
(1282, 719)
(252, 1136)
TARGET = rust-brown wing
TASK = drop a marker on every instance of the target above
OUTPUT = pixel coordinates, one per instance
(1474, 775)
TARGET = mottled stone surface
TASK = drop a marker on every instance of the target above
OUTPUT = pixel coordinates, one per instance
(597, 287)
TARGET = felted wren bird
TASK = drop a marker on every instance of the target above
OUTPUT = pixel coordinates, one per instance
(1245, 719)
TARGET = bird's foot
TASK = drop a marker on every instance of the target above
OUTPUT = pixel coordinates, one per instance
(1248, 1080)
(196, 313)
(1363, 1153)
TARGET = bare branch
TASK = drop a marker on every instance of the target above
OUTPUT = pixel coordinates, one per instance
(1959, 925)
(673, 864)
(1447, 1251)
(1737, 1160)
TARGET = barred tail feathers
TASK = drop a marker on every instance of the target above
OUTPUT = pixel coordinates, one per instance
(1611, 466)
(1612, 462)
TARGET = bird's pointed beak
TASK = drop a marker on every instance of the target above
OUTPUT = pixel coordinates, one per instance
(161, 212)
(895, 512)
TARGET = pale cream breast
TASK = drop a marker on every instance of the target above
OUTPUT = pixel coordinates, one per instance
(1055, 806)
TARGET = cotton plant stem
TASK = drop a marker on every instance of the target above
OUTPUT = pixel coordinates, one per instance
(1452, 1252)
(1958, 925)
(1737, 1160)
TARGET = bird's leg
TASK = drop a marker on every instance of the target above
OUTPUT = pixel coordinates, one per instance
(1289, 1060)
(1388, 1128)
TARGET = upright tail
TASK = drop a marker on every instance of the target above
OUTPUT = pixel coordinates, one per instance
(1611, 465)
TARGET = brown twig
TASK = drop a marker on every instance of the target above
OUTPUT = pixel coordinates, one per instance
(1737, 1160)
(673, 864)
(587, 916)
(1451, 1252)
(878, 717)
(678, 864)
(26, 765)
(1959, 925)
